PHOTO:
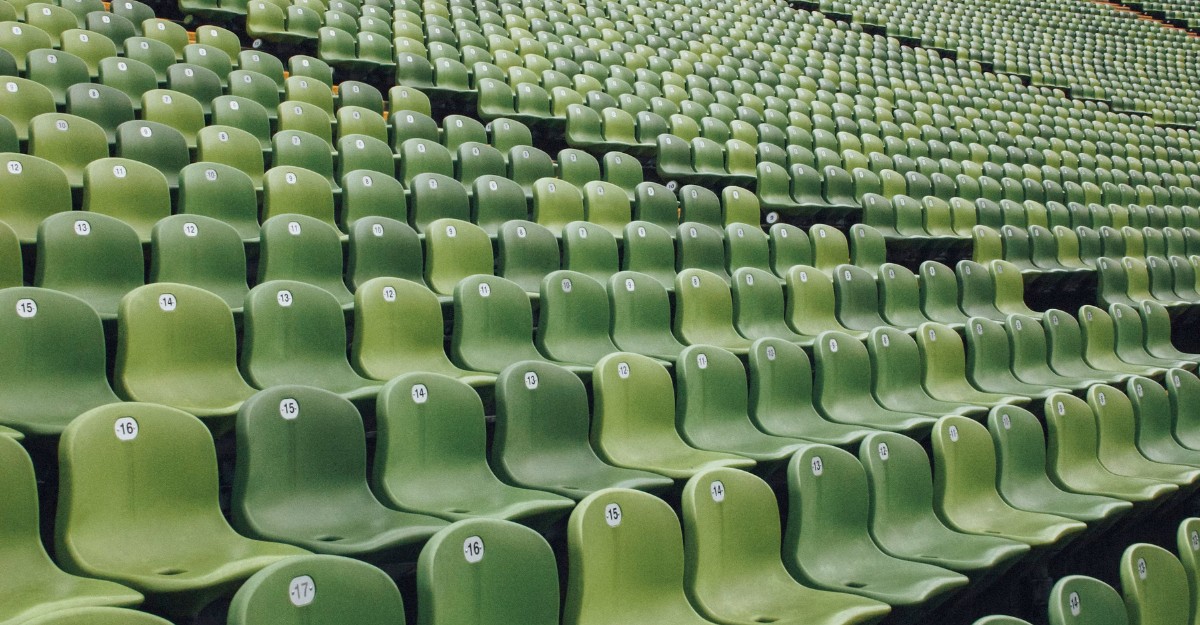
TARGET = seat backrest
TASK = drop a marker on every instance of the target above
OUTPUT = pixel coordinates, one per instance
(943, 357)
(22, 544)
(1154, 585)
(573, 318)
(129, 190)
(939, 293)
(964, 464)
(397, 325)
(698, 246)
(746, 246)
(649, 250)
(827, 510)
(1187, 543)
(1078, 599)
(455, 249)
(810, 304)
(898, 476)
(465, 575)
(320, 587)
(305, 249)
(589, 249)
(222, 192)
(381, 247)
(829, 247)
(628, 545)
(94, 256)
(527, 253)
(711, 392)
(200, 251)
(703, 307)
(33, 189)
(493, 324)
(1183, 388)
(289, 330)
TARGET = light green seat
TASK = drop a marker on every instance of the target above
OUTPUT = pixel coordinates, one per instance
(1000, 619)
(712, 406)
(650, 250)
(526, 252)
(1061, 345)
(303, 249)
(35, 586)
(1152, 419)
(842, 388)
(295, 333)
(159, 360)
(627, 562)
(733, 571)
(69, 141)
(431, 456)
(759, 307)
(1020, 445)
(641, 316)
(317, 588)
(810, 307)
(455, 250)
(1118, 448)
(33, 189)
(896, 370)
(704, 312)
(1155, 586)
(633, 420)
(990, 361)
(1099, 344)
(939, 294)
(856, 295)
(398, 329)
(1187, 543)
(541, 437)
(301, 478)
(1183, 389)
(1073, 461)
(589, 249)
(175, 495)
(203, 252)
(480, 571)
(965, 494)
(94, 257)
(1078, 599)
(1130, 340)
(131, 191)
(573, 318)
(903, 522)
(828, 543)
(1156, 324)
(944, 369)
(221, 192)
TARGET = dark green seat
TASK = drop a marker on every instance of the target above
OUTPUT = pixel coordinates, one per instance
(896, 367)
(1118, 449)
(641, 316)
(903, 522)
(94, 257)
(541, 436)
(480, 571)
(301, 478)
(573, 318)
(175, 494)
(842, 388)
(1152, 419)
(1063, 348)
(318, 588)
(733, 572)
(1183, 389)
(203, 252)
(990, 361)
(1078, 599)
(431, 455)
(828, 543)
(759, 307)
(1022, 481)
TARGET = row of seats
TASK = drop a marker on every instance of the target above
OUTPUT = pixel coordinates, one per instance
(992, 482)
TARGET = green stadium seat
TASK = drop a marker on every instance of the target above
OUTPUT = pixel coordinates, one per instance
(1118, 449)
(527, 253)
(382, 247)
(295, 190)
(896, 370)
(1155, 585)
(154, 144)
(56, 70)
(573, 318)
(24, 100)
(465, 575)
(1077, 599)
(454, 250)
(990, 361)
(943, 360)
(91, 256)
(304, 249)
(641, 316)
(202, 252)
(431, 446)
(318, 586)
(221, 192)
(175, 453)
(843, 383)
(63, 375)
(367, 193)
(132, 191)
(649, 250)
(232, 147)
(67, 141)
(758, 307)
(810, 303)
(704, 311)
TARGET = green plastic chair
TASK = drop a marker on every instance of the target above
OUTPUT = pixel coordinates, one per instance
(383, 247)
(295, 190)
(589, 249)
(1118, 449)
(398, 329)
(526, 252)
(465, 575)
(698, 246)
(1022, 481)
(325, 588)
(131, 191)
(431, 456)
(990, 361)
(24, 99)
(900, 297)
(1130, 340)
(641, 316)
(895, 366)
(69, 141)
(493, 326)
(541, 438)
(828, 542)
(649, 250)
(1152, 419)
(712, 405)
(634, 419)
(903, 522)
(965, 492)
(303, 249)
(176, 495)
(573, 318)
(1077, 599)
(1187, 543)
(939, 295)
(733, 572)
(1073, 459)
(98, 616)
(1099, 344)
(221, 192)
(944, 375)
(295, 333)
(1155, 586)
(34, 189)
(843, 383)
(61, 373)
(810, 307)
(202, 252)
(36, 586)
(301, 478)
(759, 307)
(234, 148)
(1183, 389)
(1156, 324)
(159, 360)
(154, 144)
(627, 562)
(856, 297)
(94, 257)
(704, 312)
(455, 250)
(1063, 349)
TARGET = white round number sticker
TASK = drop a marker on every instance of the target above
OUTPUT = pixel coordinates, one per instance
(717, 489)
(284, 298)
(1074, 603)
(83, 228)
(954, 433)
(389, 294)
(420, 394)
(473, 549)
(1142, 570)
(702, 361)
(289, 408)
(167, 302)
(612, 515)
(531, 380)
(883, 451)
(302, 591)
(126, 428)
(818, 467)
(484, 289)
(695, 281)
(623, 369)
(26, 308)
(190, 229)
(294, 227)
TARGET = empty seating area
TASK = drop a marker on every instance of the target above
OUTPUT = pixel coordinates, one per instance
(586, 312)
